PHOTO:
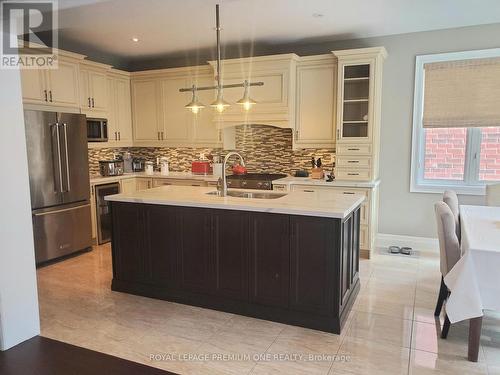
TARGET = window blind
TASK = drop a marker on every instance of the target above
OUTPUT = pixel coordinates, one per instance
(463, 93)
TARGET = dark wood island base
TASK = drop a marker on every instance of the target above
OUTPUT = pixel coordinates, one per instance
(298, 270)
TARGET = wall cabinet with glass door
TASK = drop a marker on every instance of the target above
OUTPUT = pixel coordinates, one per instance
(358, 112)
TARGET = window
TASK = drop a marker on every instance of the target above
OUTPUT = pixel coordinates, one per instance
(456, 127)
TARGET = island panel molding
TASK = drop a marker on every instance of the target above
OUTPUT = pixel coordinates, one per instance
(254, 264)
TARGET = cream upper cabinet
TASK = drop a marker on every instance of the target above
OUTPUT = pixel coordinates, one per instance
(119, 110)
(58, 87)
(177, 120)
(63, 84)
(275, 99)
(146, 109)
(93, 90)
(315, 102)
(33, 86)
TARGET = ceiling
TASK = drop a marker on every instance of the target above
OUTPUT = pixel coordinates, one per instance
(168, 27)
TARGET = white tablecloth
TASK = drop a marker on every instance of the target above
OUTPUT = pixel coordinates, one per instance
(474, 281)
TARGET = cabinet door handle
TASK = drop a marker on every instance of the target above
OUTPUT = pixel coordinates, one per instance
(296, 135)
(162, 136)
(116, 137)
(119, 136)
(93, 103)
(338, 133)
(90, 105)
(158, 135)
(50, 95)
(277, 276)
(45, 94)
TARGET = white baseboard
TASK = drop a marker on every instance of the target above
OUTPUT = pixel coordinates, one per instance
(417, 243)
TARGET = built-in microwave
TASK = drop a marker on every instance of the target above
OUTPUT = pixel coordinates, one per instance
(97, 130)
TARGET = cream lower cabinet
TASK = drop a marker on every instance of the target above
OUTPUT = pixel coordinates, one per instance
(56, 87)
(143, 183)
(368, 214)
(128, 185)
(178, 182)
(315, 102)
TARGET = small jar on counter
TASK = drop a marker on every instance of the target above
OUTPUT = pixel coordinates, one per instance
(149, 168)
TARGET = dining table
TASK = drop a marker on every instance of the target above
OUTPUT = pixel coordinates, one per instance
(474, 281)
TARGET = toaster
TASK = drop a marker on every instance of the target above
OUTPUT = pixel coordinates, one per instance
(111, 167)
(138, 165)
(202, 167)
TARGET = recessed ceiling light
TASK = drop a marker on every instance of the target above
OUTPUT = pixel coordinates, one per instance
(317, 15)
(134, 39)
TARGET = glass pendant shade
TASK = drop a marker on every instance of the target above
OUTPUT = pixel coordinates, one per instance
(246, 101)
(195, 105)
(220, 104)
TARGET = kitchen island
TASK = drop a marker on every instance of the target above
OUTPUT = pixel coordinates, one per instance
(291, 258)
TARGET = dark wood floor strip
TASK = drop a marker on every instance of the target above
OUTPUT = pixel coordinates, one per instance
(43, 356)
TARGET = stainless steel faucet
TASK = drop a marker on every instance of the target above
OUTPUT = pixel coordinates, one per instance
(222, 184)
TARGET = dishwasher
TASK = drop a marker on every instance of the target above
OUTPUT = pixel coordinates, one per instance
(104, 210)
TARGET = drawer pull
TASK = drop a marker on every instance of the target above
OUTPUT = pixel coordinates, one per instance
(308, 191)
(353, 161)
(353, 149)
(348, 192)
(353, 174)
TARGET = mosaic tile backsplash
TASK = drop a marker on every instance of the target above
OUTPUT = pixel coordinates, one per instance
(265, 149)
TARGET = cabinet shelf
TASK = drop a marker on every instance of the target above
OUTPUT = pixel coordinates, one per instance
(356, 79)
(354, 122)
(356, 100)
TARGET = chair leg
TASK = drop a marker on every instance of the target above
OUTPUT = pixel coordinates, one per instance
(446, 327)
(443, 294)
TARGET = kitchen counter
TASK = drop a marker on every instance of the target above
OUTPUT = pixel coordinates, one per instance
(310, 181)
(329, 204)
(172, 175)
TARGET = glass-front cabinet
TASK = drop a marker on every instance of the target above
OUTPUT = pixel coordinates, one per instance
(355, 115)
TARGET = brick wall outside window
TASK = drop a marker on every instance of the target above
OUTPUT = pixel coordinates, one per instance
(445, 153)
(489, 165)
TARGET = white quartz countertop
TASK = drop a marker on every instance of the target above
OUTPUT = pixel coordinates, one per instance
(329, 204)
(311, 181)
(173, 175)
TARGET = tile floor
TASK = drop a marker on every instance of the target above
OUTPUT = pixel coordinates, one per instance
(391, 329)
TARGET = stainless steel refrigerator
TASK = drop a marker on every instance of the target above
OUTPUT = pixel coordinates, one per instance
(59, 183)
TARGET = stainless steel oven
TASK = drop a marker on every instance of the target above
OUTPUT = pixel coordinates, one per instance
(97, 130)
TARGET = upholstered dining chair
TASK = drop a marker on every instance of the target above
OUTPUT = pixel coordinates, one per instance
(493, 195)
(449, 250)
(451, 199)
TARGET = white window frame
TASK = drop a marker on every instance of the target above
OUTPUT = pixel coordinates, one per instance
(470, 185)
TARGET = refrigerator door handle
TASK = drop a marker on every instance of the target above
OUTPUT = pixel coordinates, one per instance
(59, 162)
(65, 128)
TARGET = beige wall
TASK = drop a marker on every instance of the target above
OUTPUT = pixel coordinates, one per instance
(402, 212)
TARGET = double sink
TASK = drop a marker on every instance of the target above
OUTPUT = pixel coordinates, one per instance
(248, 194)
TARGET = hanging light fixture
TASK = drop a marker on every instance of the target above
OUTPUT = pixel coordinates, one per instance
(220, 104)
(246, 101)
(195, 105)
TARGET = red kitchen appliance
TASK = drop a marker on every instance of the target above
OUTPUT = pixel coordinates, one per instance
(202, 167)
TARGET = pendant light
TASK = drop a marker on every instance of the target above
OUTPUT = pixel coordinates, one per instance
(220, 104)
(246, 101)
(195, 105)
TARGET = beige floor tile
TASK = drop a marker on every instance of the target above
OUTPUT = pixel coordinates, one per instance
(383, 306)
(493, 370)
(291, 368)
(427, 337)
(363, 357)
(381, 329)
(423, 363)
